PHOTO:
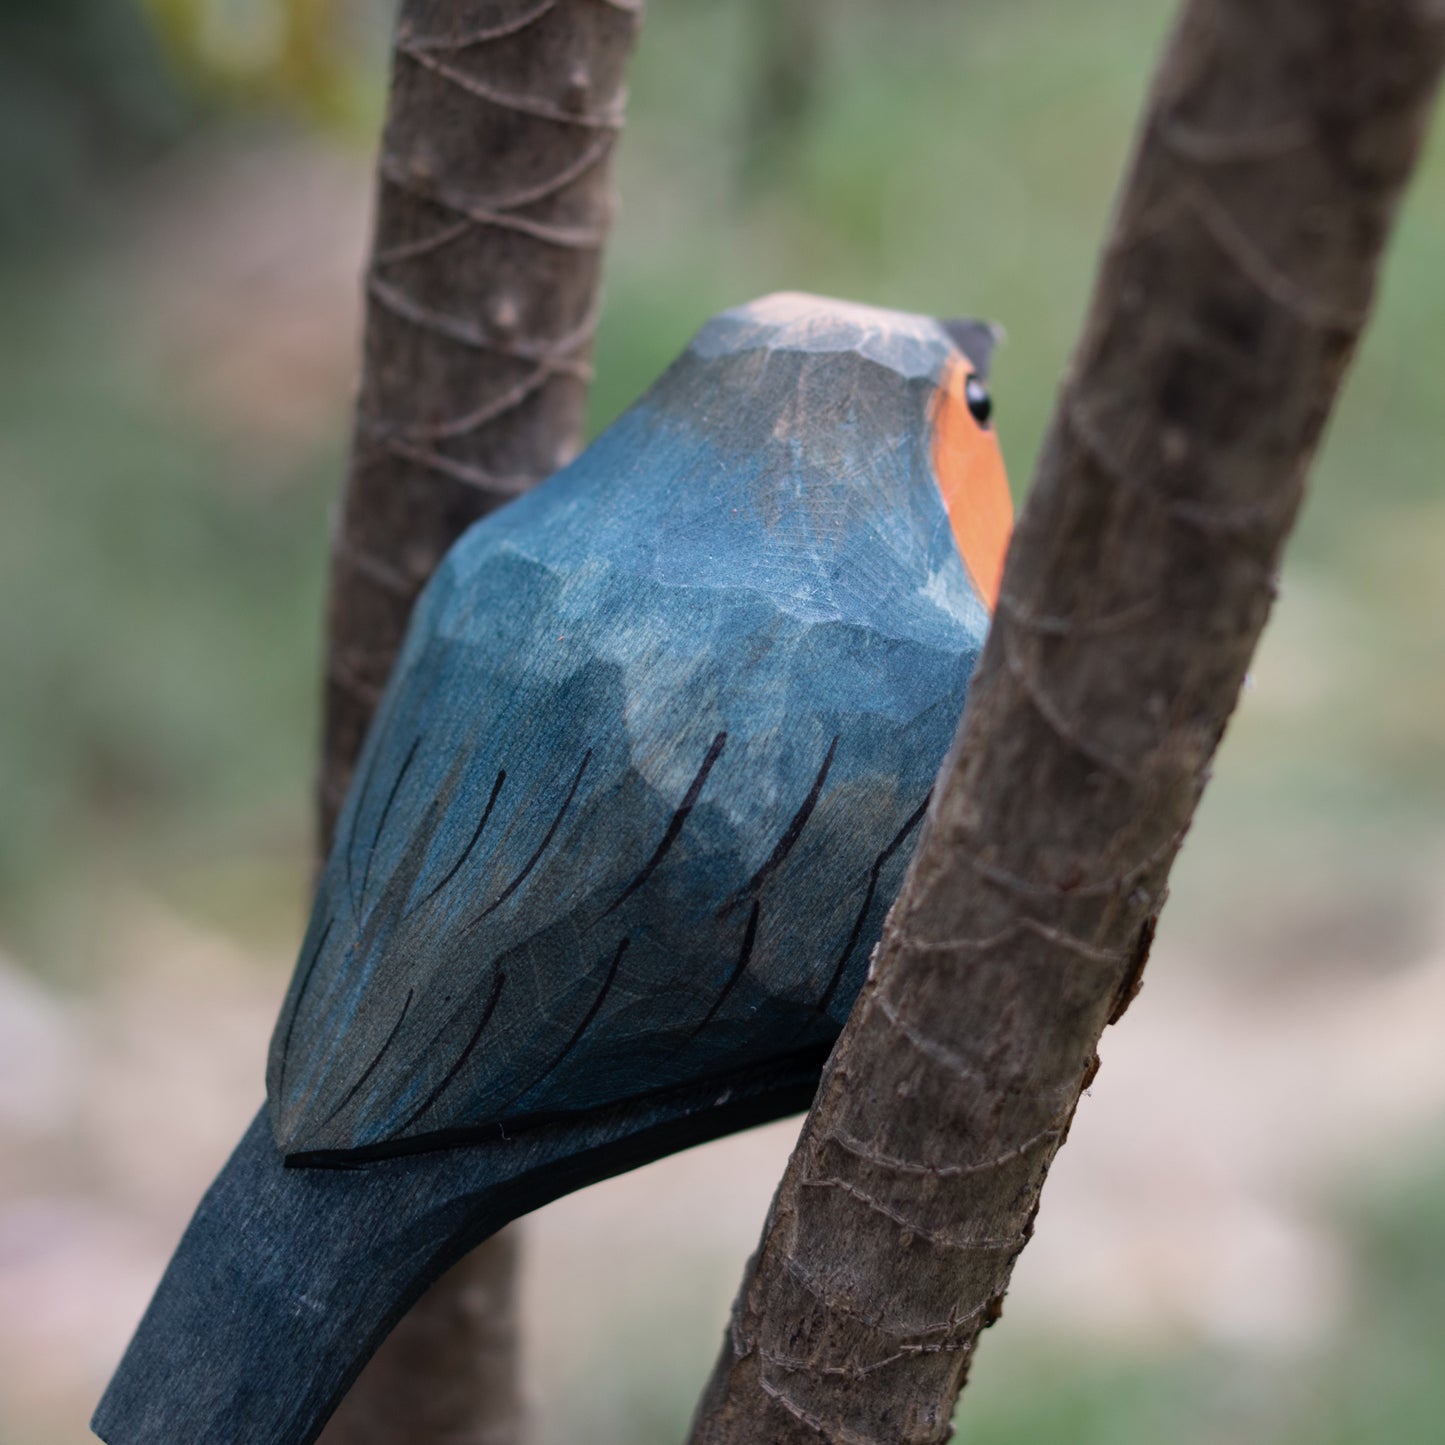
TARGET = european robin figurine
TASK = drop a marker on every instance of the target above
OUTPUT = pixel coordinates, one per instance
(621, 840)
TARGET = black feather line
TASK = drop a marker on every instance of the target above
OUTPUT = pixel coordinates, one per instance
(674, 828)
(476, 836)
(386, 811)
(542, 847)
(791, 834)
(879, 864)
(739, 969)
(370, 1069)
(583, 1026)
(466, 1053)
(305, 977)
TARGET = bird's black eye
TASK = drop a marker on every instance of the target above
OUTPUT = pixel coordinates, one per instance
(980, 403)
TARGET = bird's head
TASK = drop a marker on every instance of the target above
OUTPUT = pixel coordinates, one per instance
(861, 380)
(967, 461)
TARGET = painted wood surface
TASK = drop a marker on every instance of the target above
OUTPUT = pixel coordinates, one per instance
(645, 779)
(286, 1279)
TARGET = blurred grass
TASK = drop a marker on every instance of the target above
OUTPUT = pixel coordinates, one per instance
(161, 577)
(82, 93)
(1380, 1381)
(160, 597)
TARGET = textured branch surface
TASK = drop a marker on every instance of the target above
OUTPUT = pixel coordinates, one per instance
(449, 1373)
(1274, 151)
(493, 203)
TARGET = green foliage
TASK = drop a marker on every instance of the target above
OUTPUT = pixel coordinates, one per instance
(159, 608)
(1378, 1381)
(91, 89)
(1383, 1381)
(82, 95)
(318, 58)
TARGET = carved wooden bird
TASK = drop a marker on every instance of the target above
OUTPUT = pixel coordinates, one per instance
(642, 786)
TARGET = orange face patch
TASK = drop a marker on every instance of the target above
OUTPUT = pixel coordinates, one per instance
(969, 468)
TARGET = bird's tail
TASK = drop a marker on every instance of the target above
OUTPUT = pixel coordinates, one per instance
(287, 1279)
(281, 1288)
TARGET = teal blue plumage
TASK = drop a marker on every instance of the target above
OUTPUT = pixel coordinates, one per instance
(646, 777)
(651, 761)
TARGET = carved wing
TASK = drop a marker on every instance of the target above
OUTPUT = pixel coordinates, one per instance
(650, 763)
(616, 838)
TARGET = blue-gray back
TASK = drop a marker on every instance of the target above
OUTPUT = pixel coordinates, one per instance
(650, 764)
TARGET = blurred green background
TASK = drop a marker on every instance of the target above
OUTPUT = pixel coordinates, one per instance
(1250, 1244)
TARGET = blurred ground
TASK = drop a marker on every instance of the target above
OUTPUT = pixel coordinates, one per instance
(1245, 1237)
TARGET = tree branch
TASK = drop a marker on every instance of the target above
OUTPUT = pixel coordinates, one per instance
(1274, 151)
(493, 203)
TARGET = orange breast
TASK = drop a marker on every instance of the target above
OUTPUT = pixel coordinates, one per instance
(969, 467)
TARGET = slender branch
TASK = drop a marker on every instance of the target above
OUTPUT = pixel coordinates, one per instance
(493, 203)
(1276, 145)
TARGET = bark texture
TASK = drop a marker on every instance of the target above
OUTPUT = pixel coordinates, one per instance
(493, 203)
(450, 1373)
(1273, 153)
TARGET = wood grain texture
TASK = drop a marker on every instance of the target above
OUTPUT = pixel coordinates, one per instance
(636, 797)
(1244, 257)
(649, 767)
(287, 1279)
(493, 199)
